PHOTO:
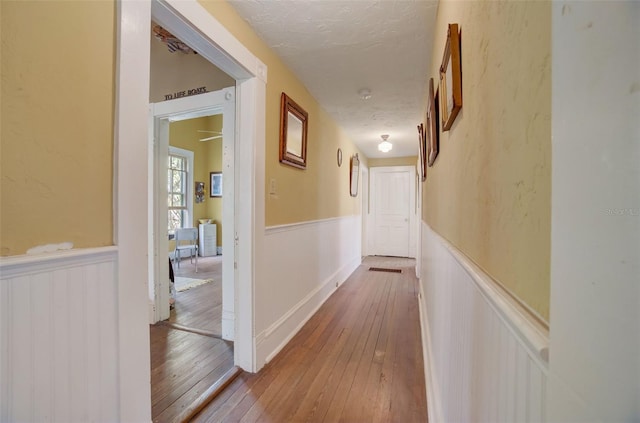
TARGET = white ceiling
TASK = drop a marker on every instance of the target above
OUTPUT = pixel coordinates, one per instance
(338, 47)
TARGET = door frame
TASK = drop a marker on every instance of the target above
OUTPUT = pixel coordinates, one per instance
(190, 21)
(411, 170)
(161, 115)
(364, 177)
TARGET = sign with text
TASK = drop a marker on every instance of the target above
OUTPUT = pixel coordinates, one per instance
(187, 93)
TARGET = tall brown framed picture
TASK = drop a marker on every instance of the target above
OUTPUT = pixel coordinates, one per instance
(451, 79)
(293, 133)
(433, 134)
(422, 153)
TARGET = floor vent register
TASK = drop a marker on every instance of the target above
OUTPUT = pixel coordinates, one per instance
(384, 269)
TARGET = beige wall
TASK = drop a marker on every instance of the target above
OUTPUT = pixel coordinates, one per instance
(489, 191)
(393, 161)
(320, 191)
(58, 61)
(207, 157)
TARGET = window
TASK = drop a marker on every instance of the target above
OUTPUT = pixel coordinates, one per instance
(179, 179)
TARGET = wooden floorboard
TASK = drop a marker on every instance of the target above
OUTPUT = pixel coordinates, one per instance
(200, 307)
(358, 359)
(184, 365)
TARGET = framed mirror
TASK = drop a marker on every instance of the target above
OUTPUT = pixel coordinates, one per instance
(293, 133)
(355, 175)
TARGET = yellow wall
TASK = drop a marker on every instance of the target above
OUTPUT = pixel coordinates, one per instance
(489, 192)
(214, 164)
(320, 191)
(393, 161)
(207, 157)
(58, 61)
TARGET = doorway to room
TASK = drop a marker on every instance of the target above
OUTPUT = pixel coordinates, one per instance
(193, 143)
(189, 196)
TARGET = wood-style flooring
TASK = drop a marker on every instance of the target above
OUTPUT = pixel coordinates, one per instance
(184, 365)
(200, 307)
(358, 359)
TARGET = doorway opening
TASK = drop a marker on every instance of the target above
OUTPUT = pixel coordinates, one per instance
(188, 352)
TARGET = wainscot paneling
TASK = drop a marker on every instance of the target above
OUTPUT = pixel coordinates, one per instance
(58, 337)
(485, 354)
(304, 264)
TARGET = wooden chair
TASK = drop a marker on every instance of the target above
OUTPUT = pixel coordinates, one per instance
(186, 240)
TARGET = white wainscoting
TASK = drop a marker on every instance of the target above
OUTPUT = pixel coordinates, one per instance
(485, 356)
(304, 264)
(59, 337)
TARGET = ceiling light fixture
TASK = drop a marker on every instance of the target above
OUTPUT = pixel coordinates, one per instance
(385, 146)
(365, 93)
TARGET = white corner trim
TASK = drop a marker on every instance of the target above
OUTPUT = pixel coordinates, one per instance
(516, 316)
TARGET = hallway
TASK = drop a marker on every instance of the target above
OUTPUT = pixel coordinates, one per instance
(359, 358)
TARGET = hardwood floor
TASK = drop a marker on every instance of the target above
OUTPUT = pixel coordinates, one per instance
(208, 268)
(185, 365)
(358, 359)
(200, 307)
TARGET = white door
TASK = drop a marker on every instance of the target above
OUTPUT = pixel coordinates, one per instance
(161, 114)
(392, 201)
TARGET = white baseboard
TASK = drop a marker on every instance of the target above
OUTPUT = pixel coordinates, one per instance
(433, 391)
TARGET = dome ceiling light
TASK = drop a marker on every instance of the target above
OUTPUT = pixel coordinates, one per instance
(385, 146)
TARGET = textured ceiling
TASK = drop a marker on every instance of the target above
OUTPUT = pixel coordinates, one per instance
(337, 48)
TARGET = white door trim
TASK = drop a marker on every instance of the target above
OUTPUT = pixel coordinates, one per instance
(191, 22)
(213, 103)
(364, 212)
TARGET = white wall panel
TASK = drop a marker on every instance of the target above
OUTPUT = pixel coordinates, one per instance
(484, 355)
(303, 265)
(58, 344)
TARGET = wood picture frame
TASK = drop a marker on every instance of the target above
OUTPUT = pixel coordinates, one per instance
(293, 133)
(215, 180)
(451, 79)
(433, 134)
(422, 153)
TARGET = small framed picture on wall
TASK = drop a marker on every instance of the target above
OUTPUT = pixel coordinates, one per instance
(216, 184)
